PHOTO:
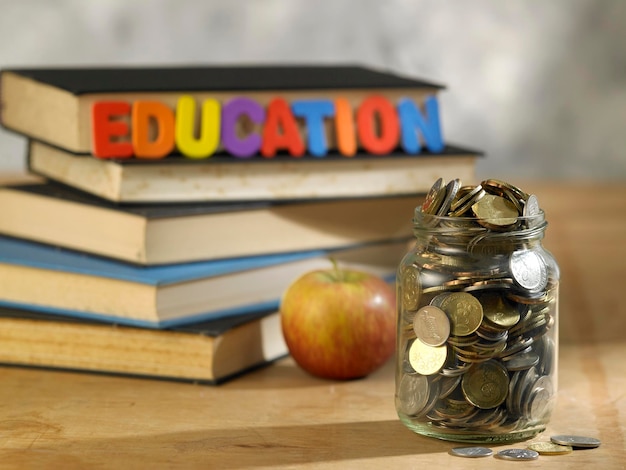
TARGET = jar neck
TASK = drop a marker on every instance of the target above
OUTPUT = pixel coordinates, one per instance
(450, 235)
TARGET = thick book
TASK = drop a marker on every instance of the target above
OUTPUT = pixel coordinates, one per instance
(179, 179)
(155, 234)
(55, 105)
(210, 352)
(43, 278)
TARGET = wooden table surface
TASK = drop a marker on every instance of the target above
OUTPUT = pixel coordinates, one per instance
(280, 417)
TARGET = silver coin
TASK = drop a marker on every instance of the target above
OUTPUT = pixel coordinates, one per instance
(547, 354)
(456, 370)
(541, 400)
(471, 452)
(525, 388)
(576, 441)
(431, 325)
(452, 188)
(529, 270)
(531, 208)
(413, 394)
(448, 384)
(524, 381)
(518, 454)
(433, 399)
(521, 361)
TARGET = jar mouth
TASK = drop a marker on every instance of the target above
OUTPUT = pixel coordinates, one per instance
(504, 224)
(478, 235)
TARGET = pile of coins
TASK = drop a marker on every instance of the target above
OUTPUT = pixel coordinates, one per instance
(477, 302)
(558, 445)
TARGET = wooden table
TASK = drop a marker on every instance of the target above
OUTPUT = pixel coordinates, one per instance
(280, 417)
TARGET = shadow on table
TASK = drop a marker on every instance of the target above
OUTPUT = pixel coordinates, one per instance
(249, 447)
(286, 374)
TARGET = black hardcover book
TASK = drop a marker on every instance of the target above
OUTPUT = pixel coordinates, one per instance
(54, 105)
(79, 81)
(151, 234)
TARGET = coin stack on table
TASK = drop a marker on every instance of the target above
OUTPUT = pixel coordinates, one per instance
(477, 316)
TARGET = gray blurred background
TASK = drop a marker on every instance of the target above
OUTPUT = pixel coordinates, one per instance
(540, 86)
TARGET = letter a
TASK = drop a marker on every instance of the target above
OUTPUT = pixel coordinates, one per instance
(281, 131)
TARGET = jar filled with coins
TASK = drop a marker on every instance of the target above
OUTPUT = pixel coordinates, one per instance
(477, 316)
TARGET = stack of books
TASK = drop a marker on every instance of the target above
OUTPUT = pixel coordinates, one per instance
(177, 205)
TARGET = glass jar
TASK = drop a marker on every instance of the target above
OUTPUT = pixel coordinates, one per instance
(477, 337)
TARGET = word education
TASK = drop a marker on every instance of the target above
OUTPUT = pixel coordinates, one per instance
(153, 130)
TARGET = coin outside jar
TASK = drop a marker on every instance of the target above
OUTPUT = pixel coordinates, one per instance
(477, 316)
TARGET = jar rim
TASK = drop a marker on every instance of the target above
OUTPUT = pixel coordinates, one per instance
(523, 228)
(538, 217)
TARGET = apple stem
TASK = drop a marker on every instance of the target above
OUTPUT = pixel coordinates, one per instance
(338, 274)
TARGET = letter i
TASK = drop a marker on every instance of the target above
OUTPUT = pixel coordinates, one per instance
(344, 127)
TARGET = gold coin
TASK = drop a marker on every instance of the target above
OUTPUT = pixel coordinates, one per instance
(464, 204)
(486, 384)
(518, 203)
(427, 360)
(498, 187)
(451, 409)
(463, 191)
(434, 198)
(465, 312)
(431, 325)
(495, 212)
(498, 311)
(465, 194)
(549, 448)
(410, 288)
(489, 284)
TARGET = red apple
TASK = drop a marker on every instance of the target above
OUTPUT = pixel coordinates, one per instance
(338, 323)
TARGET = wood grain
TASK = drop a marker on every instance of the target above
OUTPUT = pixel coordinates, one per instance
(280, 417)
